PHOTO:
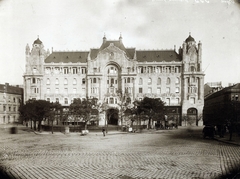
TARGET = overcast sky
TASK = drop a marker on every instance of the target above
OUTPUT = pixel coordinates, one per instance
(144, 24)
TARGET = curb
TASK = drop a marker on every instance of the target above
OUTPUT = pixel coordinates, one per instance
(227, 142)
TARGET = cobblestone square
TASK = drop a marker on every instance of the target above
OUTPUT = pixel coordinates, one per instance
(178, 153)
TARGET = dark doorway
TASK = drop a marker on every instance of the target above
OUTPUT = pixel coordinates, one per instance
(112, 116)
(192, 116)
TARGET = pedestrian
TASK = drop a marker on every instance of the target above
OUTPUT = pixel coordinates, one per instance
(103, 131)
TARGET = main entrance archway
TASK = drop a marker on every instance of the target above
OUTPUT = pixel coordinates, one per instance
(192, 114)
(112, 116)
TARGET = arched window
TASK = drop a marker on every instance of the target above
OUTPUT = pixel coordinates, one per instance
(128, 80)
(74, 81)
(168, 81)
(140, 81)
(149, 81)
(57, 81)
(168, 101)
(192, 69)
(65, 81)
(83, 81)
(177, 81)
(48, 81)
(159, 81)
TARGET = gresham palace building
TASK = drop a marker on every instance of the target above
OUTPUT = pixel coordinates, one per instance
(176, 77)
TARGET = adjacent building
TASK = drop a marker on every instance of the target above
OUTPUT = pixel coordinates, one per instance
(114, 73)
(10, 99)
(223, 107)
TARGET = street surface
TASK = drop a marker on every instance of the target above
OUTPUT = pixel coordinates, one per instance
(167, 154)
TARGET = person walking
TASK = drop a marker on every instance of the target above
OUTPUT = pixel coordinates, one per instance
(103, 131)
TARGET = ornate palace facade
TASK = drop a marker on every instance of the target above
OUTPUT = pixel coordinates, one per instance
(174, 76)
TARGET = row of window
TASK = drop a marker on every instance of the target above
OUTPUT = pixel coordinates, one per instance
(140, 90)
(114, 81)
(10, 108)
(158, 69)
(113, 70)
(65, 70)
(113, 100)
(6, 119)
(11, 99)
(168, 90)
(95, 90)
(65, 82)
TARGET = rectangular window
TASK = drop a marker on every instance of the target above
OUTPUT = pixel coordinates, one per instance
(65, 90)
(111, 101)
(9, 108)
(140, 90)
(177, 90)
(48, 99)
(65, 70)
(74, 70)
(33, 80)
(158, 90)
(168, 102)
(56, 70)
(48, 90)
(65, 101)
(35, 90)
(4, 108)
(83, 70)
(177, 100)
(57, 100)
(149, 90)
(168, 90)
(56, 90)
(74, 90)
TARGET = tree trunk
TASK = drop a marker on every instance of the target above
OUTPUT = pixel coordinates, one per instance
(35, 125)
(149, 123)
(52, 126)
(39, 125)
(31, 123)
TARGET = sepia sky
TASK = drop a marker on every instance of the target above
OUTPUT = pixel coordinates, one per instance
(145, 24)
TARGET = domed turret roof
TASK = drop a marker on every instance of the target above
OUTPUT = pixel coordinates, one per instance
(189, 39)
(37, 41)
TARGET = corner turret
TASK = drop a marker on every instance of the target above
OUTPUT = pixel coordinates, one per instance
(27, 50)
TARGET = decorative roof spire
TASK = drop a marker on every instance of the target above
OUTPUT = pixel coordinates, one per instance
(104, 38)
(37, 41)
(120, 38)
(190, 38)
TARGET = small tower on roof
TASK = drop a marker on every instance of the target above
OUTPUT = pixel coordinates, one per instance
(104, 38)
(120, 38)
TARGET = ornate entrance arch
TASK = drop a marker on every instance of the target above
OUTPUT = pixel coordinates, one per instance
(112, 116)
(192, 114)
